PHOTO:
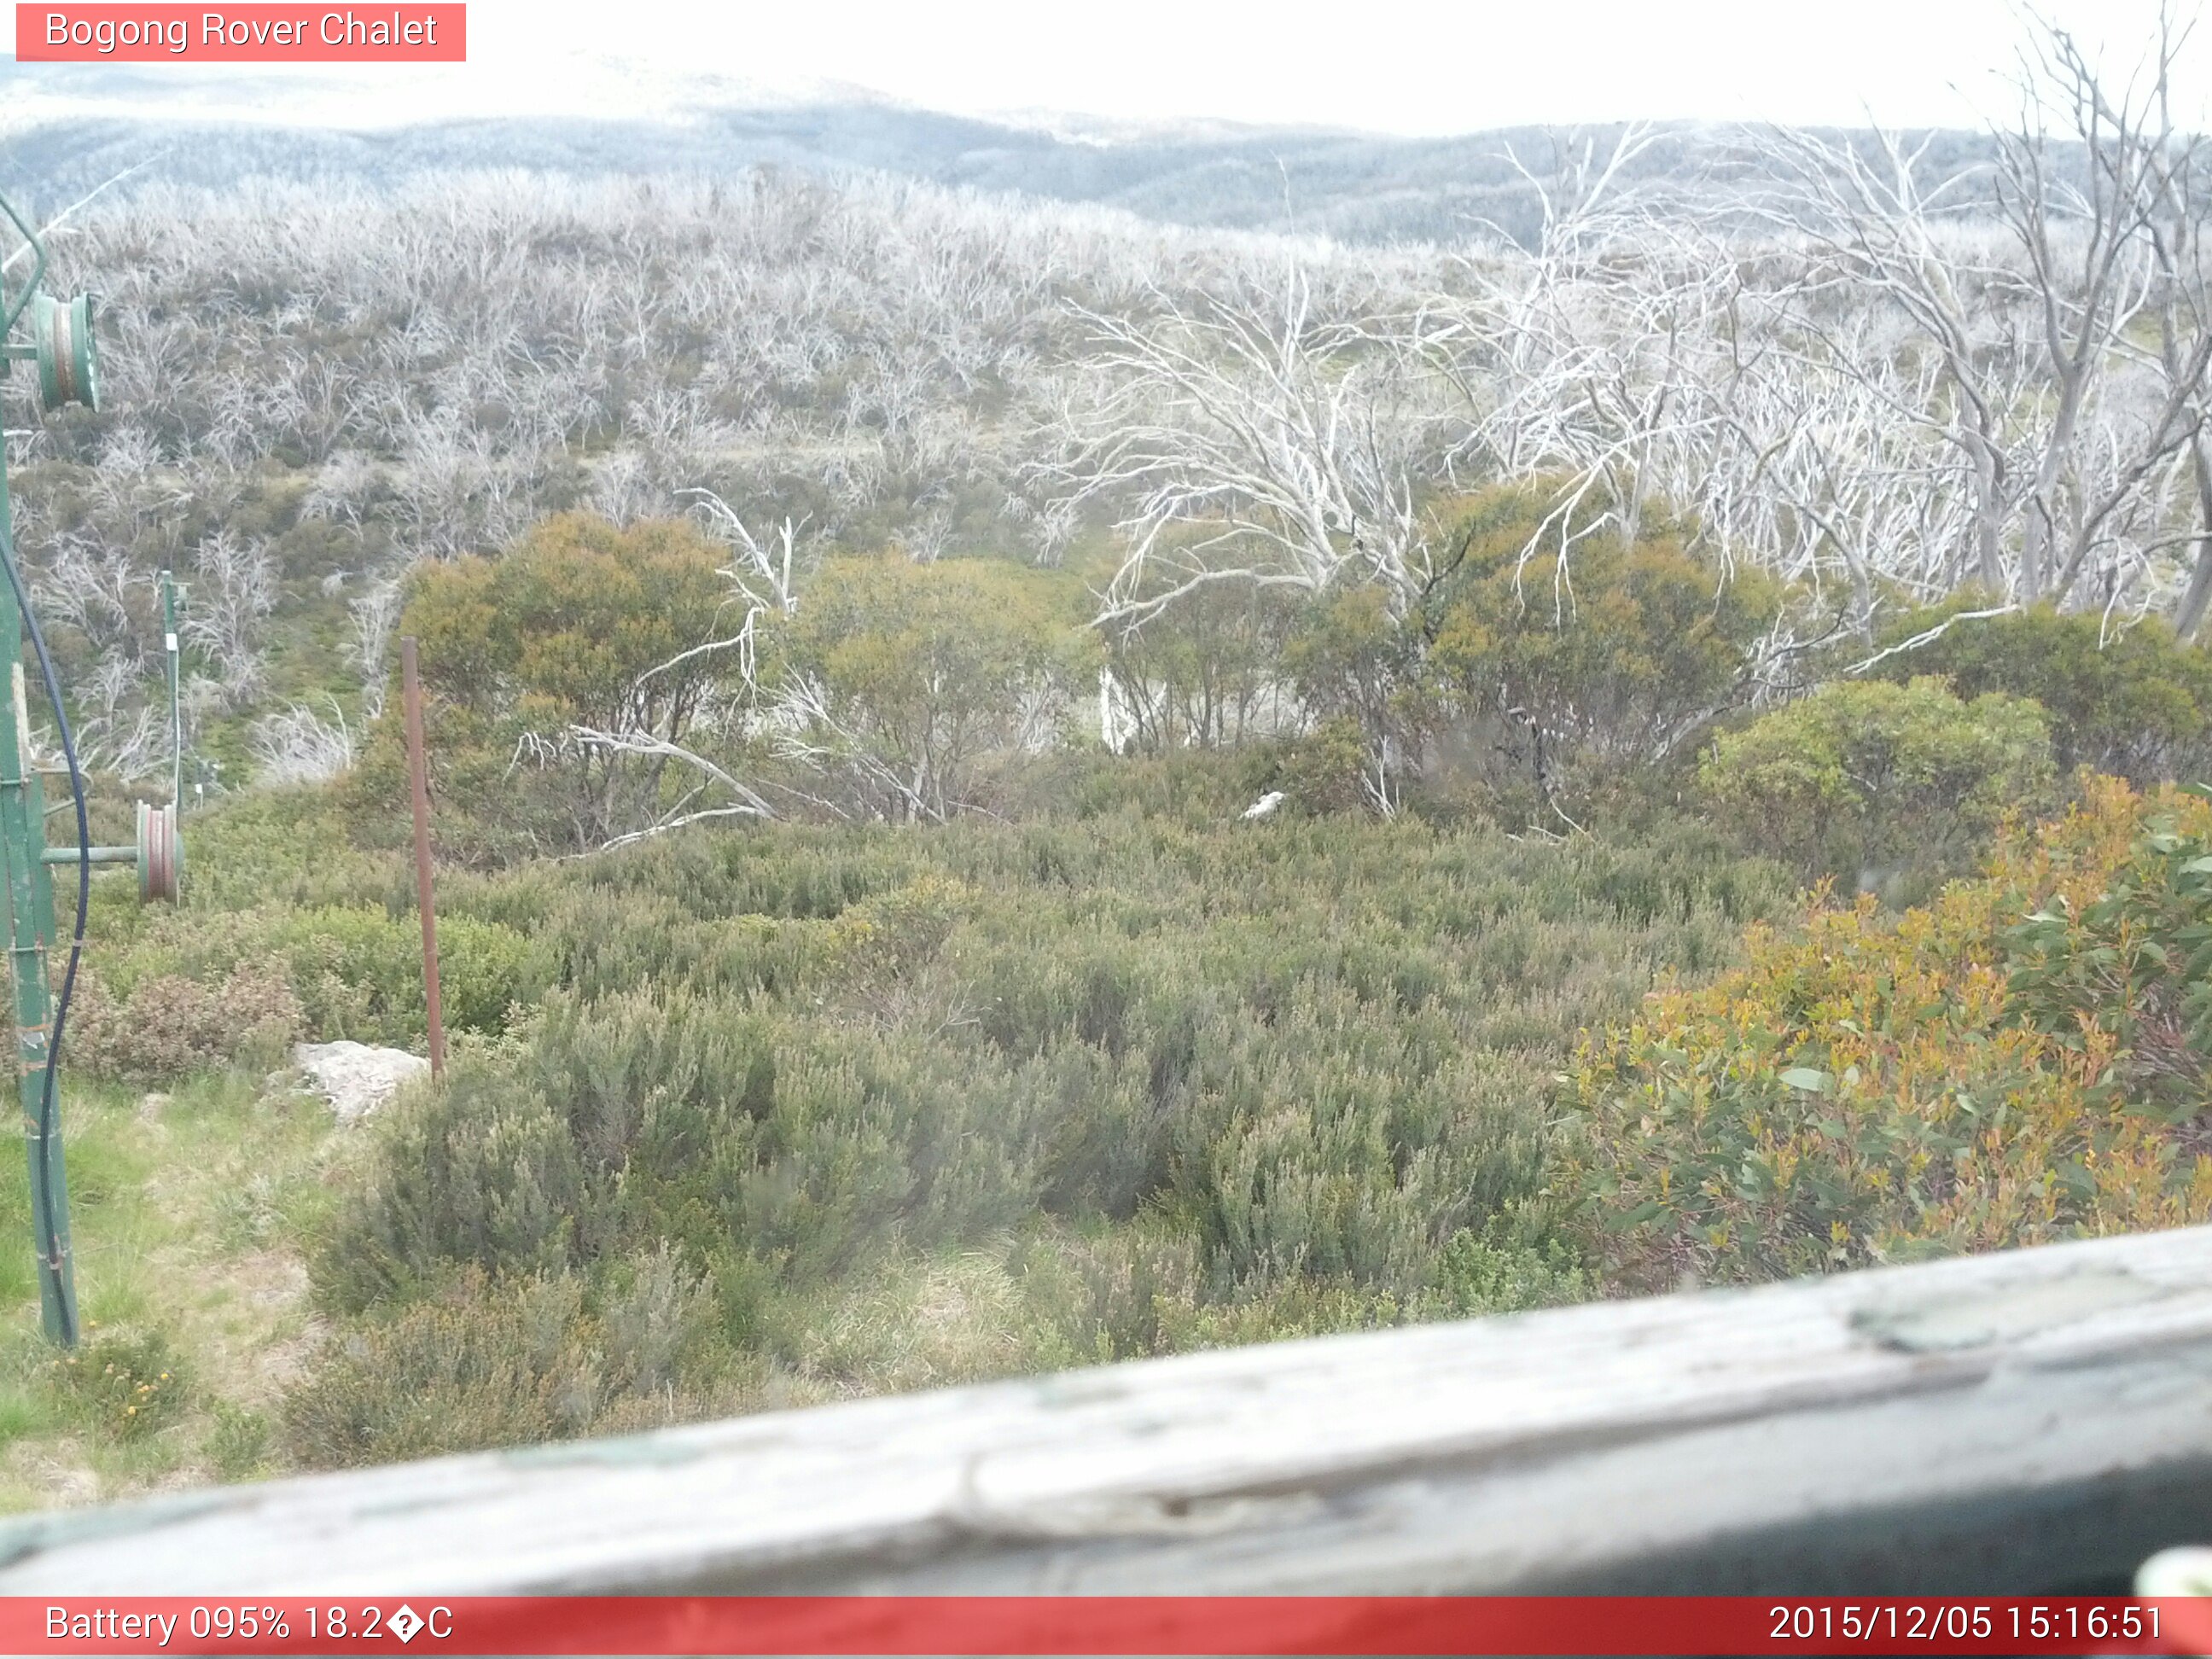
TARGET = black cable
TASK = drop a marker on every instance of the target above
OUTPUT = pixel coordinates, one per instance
(52, 1261)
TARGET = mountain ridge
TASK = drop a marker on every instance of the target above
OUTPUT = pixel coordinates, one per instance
(1356, 187)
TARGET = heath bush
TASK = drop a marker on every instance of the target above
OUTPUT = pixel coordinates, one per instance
(125, 1384)
(487, 1363)
(1867, 780)
(170, 1024)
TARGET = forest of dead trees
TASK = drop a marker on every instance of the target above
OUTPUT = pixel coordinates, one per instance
(1881, 388)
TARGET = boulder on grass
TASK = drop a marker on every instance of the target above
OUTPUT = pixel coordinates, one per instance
(354, 1077)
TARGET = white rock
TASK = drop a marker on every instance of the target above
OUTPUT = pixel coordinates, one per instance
(355, 1078)
(1266, 803)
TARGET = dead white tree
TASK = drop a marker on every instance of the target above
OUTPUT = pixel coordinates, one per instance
(297, 746)
(1576, 357)
(232, 600)
(764, 572)
(658, 751)
(2017, 339)
(1260, 442)
(375, 614)
(2177, 202)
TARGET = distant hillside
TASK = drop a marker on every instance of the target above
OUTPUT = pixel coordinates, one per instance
(1356, 187)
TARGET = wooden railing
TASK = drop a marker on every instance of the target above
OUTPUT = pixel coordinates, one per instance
(2031, 1422)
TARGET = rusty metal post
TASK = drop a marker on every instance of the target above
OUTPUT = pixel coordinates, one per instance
(419, 778)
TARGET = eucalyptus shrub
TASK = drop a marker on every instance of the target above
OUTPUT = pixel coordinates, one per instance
(1868, 780)
(2016, 1062)
(2130, 701)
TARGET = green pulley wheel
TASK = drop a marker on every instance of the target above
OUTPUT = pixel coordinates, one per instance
(69, 363)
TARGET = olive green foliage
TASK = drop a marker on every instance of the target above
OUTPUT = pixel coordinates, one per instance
(359, 972)
(896, 690)
(1870, 780)
(1330, 769)
(1356, 665)
(2130, 701)
(911, 1105)
(1872, 1087)
(1561, 672)
(557, 632)
(203, 985)
(510, 1362)
(1541, 680)
(2131, 954)
(921, 678)
(562, 625)
(287, 929)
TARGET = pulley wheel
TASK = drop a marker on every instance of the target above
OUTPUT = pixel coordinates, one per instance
(160, 854)
(68, 360)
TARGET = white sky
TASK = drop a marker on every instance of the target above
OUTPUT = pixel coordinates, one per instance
(1397, 66)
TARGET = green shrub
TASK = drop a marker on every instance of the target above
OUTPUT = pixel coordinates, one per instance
(2130, 701)
(926, 679)
(1488, 1270)
(1203, 672)
(359, 972)
(1358, 668)
(557, 631)
(1559, 672)
(2121, 943)
(1326, 770)
(480, 1172)
(293, 847)
(1221, 1085)
(239, 1443)
(353, 970)
(1867, 779)
(890, 938)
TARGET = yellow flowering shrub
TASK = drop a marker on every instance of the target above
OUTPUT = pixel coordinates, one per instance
(2014, 1062)
(127, 1385)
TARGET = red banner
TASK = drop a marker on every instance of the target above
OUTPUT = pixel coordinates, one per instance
(366, 34)
(1136, 1625)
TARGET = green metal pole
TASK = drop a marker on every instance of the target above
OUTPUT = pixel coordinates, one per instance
(30, 903)
(176, 707)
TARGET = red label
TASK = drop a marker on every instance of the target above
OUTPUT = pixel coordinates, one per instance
(1112, 1624)
(241, 35)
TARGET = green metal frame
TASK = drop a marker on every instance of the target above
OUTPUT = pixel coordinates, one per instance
(31, 935)
(61, 346)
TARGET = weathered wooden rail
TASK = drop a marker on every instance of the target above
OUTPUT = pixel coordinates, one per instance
(2032, 1422)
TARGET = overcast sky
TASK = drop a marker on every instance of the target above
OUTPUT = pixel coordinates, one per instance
(1383, 65)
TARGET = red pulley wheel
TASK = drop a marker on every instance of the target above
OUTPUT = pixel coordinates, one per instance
(161, 852)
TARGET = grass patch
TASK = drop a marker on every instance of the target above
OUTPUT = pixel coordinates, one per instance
(188, 1210)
